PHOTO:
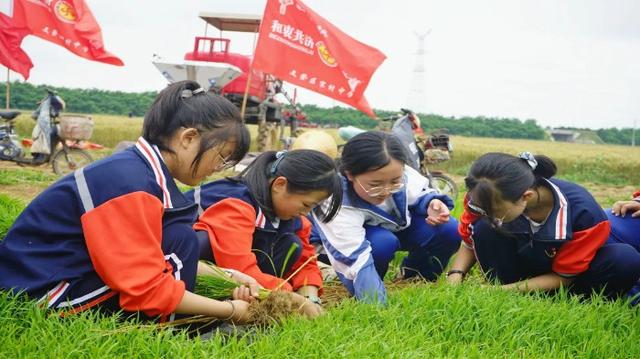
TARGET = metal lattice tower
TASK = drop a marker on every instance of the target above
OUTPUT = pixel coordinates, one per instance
(417, 98)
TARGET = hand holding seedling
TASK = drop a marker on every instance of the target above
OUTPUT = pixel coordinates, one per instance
(621, 208)
(306, 307)
(437, 213)
(249, 289)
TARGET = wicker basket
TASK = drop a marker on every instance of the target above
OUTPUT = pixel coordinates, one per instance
(436, 155)
(75, 127)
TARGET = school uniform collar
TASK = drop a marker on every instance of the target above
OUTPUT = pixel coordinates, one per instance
(558, 224)
(172, 197)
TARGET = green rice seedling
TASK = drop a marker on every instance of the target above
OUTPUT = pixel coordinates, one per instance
(219, 285)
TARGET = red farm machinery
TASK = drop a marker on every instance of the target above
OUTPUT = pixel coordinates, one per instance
(226, 73)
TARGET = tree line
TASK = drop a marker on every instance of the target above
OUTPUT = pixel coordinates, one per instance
(25, 96)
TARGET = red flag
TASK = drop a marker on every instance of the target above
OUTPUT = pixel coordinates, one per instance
(68, 23)
(12, 31)
(300, 47)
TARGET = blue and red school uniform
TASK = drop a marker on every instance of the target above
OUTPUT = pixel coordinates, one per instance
(573, 242)
(234, 233)
(115, 234)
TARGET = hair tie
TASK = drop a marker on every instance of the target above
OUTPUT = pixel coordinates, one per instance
(530, 159)
(279, 157)
(188, 93)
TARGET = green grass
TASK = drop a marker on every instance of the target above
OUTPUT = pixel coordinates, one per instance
(10, 208)
(25, 176)
(422, 320)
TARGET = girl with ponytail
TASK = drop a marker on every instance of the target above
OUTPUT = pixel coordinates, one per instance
(529, 231)
(256, 222)
(117, 235)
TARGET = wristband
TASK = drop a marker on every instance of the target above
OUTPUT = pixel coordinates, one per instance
(233, 310)
(454, 271)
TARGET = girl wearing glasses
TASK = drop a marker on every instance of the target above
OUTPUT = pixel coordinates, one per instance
(116, 235)
(386, 206)
(530, 232)
(256, 222)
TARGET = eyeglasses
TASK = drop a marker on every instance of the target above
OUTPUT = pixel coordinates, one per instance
(224, 164)
(381, 191)
(497, 222)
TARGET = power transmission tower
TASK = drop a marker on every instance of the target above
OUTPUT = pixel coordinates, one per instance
(417, 99)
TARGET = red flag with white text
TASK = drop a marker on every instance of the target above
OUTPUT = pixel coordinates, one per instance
(12, 31)
(70, 24)
(300, 47)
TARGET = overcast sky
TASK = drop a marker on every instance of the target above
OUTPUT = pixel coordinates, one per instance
(560, 62)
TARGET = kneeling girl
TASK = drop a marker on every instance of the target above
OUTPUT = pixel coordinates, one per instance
(386, 206)
(256, 222)
(532, 232)
(116, 235)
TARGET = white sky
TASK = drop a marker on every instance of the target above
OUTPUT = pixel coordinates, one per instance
(561, 62)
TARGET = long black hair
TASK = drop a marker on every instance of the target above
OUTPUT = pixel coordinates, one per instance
(305, 171)
(369, 151)
(497, 175)
(186, 104)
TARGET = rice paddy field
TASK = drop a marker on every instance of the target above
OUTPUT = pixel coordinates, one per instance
(421, 320)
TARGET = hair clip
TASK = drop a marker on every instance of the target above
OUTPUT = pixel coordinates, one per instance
(188, 93)
(279, 157)
(529, 158)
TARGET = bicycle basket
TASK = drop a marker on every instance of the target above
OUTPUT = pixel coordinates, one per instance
(75, 127)
(436, 155)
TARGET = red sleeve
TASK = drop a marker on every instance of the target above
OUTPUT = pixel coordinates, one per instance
(574, 256)
(636, 195)
(124, 240)
(310, 273)
(230, 224)
(466, 221)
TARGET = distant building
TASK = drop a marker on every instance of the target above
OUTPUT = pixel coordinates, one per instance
(564, 135)
(575, 136)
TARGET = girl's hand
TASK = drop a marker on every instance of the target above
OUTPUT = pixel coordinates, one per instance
(437, 213)
(248, 294)
(240, 312)
(306, 307)
(248, 291)
(621, 208)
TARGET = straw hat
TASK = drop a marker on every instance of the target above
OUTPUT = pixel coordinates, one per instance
(316, 140)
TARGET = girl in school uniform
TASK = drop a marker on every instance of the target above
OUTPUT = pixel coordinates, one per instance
(116, 235)
(256, 222)
(386, 206)
(532, 232)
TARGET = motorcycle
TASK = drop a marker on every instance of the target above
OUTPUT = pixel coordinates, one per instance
(435, 148)
(56, 139)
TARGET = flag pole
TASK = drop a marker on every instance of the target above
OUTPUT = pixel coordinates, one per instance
(8, 90)
(246, 88)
